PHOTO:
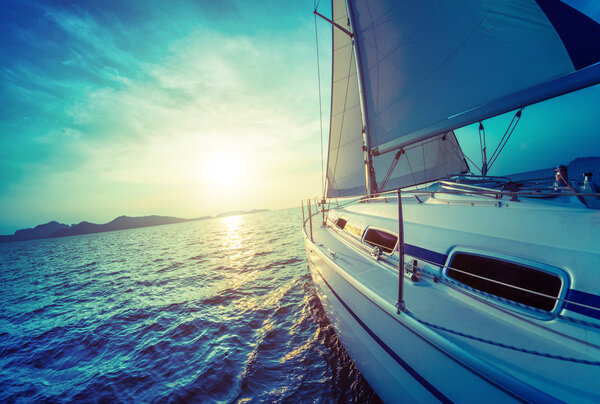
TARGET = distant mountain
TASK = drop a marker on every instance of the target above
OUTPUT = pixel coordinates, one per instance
(40, 231)
(240, 212)
(120, 223)
(55, 229)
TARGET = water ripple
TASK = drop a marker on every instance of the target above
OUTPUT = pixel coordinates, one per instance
(221, 310)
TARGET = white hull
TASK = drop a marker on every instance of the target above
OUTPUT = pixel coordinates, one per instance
(405, 360)
(400, 365)
(497, 280)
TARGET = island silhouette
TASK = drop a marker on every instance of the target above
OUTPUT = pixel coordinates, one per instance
(55, 229)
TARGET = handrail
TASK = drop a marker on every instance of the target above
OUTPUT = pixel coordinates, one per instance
(479, 191)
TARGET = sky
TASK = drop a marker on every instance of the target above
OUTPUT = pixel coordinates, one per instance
(186, 108)
(551, 133)
(193, 108)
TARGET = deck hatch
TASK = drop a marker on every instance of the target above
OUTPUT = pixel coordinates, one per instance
(382, 239)
(530, 281)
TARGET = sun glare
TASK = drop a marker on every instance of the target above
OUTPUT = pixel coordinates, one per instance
(224, 169)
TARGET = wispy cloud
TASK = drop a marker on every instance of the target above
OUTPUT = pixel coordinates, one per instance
(105, 101)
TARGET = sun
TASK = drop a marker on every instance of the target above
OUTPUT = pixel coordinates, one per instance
(224, 169)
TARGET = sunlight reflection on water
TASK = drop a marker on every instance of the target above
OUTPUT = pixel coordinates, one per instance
(216, 310)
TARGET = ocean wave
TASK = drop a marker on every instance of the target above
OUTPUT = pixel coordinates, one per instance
(212, 311)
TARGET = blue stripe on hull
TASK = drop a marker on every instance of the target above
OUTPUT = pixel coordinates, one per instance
(577, 296)
(425, 254)
(438, 394)
(573, 296)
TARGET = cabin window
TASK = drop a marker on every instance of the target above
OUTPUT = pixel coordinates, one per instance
(529, 281)
(341, 223)
(355, 230)
(382, 239)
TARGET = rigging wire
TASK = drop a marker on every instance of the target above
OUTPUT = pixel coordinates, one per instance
(320, 104)
(507, 135)
(391, 169)
(481, 141)
(459, 149)
(421, 144)
(484, 163)
(424, 163)
(411, 171)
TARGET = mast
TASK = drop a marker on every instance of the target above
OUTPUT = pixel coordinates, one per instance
(370, 183)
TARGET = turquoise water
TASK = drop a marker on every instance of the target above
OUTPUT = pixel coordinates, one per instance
(215, 310)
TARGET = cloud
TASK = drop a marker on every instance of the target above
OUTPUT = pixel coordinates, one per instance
(129, 107)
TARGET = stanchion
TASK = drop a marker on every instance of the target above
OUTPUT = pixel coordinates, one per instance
(400, 304)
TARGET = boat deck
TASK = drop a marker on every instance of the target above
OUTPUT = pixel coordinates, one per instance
(536, 351)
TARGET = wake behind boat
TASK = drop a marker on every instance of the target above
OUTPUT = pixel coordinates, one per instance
(499, 294)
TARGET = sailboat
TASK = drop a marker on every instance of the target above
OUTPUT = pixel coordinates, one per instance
(442, 283)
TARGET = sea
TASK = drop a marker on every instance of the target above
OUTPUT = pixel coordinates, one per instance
(218, 310)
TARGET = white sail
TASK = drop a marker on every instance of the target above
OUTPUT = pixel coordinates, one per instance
(421, 162)
(431, 66)
(345, 162)
(424, 161)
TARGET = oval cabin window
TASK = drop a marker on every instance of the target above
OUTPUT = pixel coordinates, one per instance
(379, 238)
(520, 283)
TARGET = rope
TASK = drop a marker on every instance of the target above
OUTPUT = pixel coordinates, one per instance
(392, 167)
(423, 155)
(482, 146)
(411, 171)
(502, 345)
(498, 148)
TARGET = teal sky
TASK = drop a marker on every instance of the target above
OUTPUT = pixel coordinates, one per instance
(549, 133)
(194, 108)
(153, 107)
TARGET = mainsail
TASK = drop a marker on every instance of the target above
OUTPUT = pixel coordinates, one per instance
(431, 66)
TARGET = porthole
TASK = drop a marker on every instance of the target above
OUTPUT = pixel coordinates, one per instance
(506, 279)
